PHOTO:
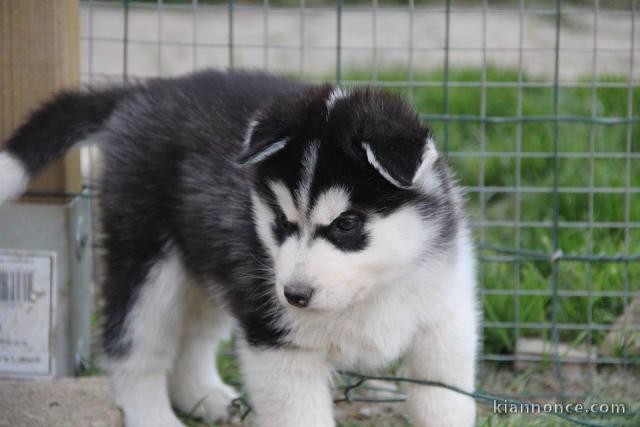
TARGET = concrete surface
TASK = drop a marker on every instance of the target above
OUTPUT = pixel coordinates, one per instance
(79, 402)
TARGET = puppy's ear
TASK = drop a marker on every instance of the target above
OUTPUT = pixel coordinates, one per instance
(402, 158)
(262, 140)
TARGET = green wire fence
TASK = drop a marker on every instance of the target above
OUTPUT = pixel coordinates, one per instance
(534, 103)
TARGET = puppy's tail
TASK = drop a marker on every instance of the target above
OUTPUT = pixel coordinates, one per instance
(50, 132)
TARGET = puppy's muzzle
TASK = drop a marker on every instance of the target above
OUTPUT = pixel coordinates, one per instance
(298, 294)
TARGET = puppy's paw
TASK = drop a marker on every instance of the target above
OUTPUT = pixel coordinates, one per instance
(174, 422)
(162, 418)
(432, 407)
(209, 404)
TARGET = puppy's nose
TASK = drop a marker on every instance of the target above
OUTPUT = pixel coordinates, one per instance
(298, 294)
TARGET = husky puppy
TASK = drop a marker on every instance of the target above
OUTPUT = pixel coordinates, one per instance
(320, 223)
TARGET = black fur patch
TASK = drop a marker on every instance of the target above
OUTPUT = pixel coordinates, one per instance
(69, 118)
(171, 179)
(283, 228)
(385, 121)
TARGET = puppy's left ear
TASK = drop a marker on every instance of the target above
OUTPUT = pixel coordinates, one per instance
(262, 141)
(404, 163)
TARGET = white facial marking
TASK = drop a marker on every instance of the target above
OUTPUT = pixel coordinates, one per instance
(330, 205)
(289, 264)
(308, 169)
(264, 217)
(285, 200)
(267, 152)
(335, 95)
(396, 244)
(374, 162)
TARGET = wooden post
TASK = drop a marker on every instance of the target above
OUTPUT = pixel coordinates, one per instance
(39, 55)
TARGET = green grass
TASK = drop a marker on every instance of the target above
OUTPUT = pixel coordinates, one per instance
(497, 171)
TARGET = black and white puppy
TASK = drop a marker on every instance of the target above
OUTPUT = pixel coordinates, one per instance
(320, 222)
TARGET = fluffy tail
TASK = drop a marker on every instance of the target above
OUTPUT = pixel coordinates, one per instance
(50, 132)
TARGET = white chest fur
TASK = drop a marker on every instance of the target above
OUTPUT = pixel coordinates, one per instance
(379, 330)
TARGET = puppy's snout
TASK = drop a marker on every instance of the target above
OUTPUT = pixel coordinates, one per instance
(298, 294)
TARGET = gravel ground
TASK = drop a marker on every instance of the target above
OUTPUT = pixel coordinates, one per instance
(70, 402)
(86, 402)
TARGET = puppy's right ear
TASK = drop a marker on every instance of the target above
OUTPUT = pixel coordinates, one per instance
(262, 141)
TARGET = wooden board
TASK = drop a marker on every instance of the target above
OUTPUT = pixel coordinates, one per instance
(39, 55)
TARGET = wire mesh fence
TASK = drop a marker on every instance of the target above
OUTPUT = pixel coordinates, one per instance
(535, 103)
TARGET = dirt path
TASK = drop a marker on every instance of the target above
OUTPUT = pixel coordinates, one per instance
(77, 402)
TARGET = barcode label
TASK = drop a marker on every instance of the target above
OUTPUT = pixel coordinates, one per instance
(27, 304)
(16, 286)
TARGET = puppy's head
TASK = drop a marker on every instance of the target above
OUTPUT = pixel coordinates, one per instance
(349, 194)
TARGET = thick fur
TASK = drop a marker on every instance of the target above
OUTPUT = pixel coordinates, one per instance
(322, 222)
(13, 176)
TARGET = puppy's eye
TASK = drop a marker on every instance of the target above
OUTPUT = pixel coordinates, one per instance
(348, 224)
(346, 232)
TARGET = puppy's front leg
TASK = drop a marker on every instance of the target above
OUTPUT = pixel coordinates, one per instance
(288, 387)
(444, 352)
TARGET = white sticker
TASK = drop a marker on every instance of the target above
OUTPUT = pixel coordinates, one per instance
(27, 295)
